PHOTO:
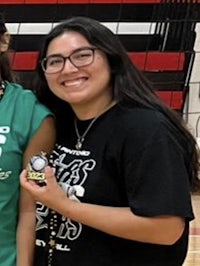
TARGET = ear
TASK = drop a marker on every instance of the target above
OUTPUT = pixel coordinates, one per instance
(4, 42)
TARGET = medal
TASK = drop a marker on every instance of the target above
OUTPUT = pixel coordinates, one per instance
(36, 167)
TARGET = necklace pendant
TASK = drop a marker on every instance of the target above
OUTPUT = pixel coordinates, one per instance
(78, 144)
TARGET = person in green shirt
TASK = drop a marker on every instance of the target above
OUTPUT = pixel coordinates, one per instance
(26, 129)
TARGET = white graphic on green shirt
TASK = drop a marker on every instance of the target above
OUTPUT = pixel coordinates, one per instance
(3, 130)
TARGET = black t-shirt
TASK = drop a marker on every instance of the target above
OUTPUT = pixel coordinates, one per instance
(130, 157)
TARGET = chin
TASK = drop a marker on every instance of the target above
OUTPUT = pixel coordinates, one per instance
(73, 100)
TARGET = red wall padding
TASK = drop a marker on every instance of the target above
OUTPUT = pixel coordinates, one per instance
(149, 61)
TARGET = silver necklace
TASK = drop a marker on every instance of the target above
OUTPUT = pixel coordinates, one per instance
(81, 138)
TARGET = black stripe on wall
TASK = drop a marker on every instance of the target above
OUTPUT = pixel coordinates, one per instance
(107, 12)
(131, 42)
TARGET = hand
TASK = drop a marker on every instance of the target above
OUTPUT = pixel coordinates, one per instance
(50, 195)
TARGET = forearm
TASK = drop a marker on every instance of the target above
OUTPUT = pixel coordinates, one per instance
(26, 239)
(123, 223)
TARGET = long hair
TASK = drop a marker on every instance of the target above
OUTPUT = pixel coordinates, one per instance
(128, 82)
(5, 68)
(6, 72)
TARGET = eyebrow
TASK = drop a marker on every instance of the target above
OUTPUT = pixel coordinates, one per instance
(76, 50)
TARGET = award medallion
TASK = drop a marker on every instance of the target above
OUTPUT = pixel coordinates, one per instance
(36, 168)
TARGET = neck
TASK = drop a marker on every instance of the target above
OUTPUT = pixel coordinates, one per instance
(92, 110)
(81, 137)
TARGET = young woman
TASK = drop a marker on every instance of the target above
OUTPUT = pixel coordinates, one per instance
(26, 128)
(125, 164)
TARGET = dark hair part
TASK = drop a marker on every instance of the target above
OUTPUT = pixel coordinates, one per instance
(129, 84)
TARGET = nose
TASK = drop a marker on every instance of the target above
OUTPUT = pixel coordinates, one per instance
(68, 66)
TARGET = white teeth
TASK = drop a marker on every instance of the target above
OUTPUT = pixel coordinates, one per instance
(73, 82)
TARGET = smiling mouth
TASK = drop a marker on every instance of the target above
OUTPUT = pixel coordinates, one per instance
(74, 83)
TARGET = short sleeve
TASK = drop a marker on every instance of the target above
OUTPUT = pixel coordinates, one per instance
(157, 181)
(29, 115)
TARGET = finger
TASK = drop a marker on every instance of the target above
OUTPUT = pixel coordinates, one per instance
(23, 177)
(25, 183)
(49, 174)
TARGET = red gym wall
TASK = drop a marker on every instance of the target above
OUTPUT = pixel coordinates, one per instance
(158, 35)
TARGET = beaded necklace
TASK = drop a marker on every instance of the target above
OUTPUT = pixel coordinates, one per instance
(2, 89)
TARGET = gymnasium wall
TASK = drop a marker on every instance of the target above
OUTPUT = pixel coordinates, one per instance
(161, 37)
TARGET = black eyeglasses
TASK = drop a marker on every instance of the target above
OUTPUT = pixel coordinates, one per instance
(55, 63)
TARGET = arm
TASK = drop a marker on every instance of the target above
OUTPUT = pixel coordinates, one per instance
(43, 140)
(116, 221)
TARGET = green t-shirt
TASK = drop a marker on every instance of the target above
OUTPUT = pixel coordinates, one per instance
(20, 116)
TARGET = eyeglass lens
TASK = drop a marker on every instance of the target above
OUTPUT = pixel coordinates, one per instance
(80, 58)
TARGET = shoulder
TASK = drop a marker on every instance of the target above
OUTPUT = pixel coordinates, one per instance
(141, 119)
(16, 87)
(24, 98)
(17, 90)
(141, 127)
(137, 131)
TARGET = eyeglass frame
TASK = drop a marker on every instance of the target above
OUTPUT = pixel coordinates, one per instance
(65, 58)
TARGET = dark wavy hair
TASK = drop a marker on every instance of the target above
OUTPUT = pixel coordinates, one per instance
(6, 72)
(128, 83)
(6, 69)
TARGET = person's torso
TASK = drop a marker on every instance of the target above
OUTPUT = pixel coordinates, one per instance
(94, 175)
(17, 125)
